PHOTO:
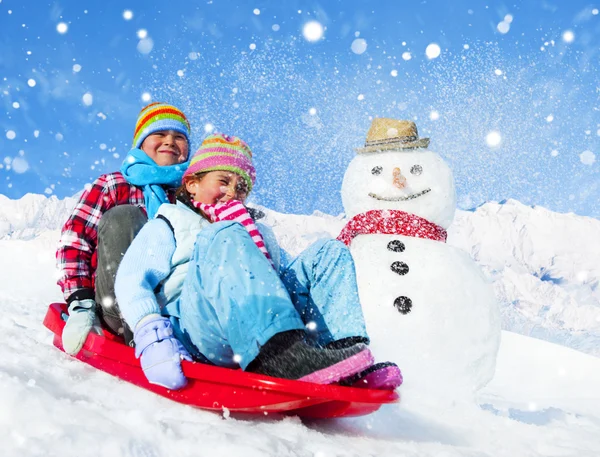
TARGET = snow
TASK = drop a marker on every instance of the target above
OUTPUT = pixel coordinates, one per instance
(358, 46)
(433, 51)
(542, 401)
(313, 31)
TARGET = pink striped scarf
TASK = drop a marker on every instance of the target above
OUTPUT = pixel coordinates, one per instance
(234, 210)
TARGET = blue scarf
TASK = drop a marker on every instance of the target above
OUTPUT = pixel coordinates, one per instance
(140, 170)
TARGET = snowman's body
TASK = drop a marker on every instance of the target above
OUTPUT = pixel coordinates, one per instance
(427, 305)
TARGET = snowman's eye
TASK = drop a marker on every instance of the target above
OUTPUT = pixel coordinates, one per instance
(416, 170)
(377, 170)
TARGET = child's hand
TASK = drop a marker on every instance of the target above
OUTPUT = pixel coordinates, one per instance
(160, 352)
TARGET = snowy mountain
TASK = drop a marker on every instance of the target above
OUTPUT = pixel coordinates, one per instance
(543, 265)
(32, 214)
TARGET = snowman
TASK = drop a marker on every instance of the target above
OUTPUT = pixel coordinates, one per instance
(427, 305)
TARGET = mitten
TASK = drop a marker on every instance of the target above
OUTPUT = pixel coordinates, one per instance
(160, 352)
(82, 319)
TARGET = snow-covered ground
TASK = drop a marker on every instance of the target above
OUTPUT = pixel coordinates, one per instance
(543, 401)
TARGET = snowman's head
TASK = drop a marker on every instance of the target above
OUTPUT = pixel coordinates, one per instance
(416, 181)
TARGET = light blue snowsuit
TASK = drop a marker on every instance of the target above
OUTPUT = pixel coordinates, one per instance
(222, 294)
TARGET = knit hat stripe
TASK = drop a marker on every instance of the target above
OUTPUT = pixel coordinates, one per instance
(237, 145)
(156, 117)
(200, 157)
(223, 152)
(223, 159)
(164, 113)
(217, 152)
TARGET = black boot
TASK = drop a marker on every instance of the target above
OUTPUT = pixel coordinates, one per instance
(347, 342)
(287, 355)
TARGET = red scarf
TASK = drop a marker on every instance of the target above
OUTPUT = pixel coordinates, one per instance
(391, 222)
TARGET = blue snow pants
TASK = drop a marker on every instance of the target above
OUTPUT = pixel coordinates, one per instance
(233, 301)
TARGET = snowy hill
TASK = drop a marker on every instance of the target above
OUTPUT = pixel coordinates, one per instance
(543, 265)
(542, 401)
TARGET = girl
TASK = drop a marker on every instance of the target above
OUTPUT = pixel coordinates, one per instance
(200, 282)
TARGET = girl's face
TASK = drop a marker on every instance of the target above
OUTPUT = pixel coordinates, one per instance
(166, 147)
(217, 186)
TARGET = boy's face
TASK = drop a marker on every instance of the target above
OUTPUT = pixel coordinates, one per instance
(166, 147)
(217, 186)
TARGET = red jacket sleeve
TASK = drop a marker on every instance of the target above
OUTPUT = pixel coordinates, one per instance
(76, 254)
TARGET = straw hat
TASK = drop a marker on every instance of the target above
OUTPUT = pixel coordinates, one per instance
(386, 134)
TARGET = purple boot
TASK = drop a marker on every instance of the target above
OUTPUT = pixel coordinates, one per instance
(384, 375)
(347, 367)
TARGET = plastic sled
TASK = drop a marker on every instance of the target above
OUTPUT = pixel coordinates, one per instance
(215, 388)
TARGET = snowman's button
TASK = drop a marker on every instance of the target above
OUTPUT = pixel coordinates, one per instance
(399, 267)
(396, 246)
(403, 304)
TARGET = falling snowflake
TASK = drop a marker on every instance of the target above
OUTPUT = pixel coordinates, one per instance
(493, 138)
(88, 99)
(433, 51)
(19, 165)
(503, 27)
(587, 157)
(568, 36)
(313, 31)
(359, 46)
(145, 46)
(311, 325)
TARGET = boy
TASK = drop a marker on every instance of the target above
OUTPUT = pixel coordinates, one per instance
(108, 216)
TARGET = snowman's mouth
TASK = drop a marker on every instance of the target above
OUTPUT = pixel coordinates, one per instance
(399, 199)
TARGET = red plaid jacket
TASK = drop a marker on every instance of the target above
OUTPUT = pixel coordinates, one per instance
(76, 254)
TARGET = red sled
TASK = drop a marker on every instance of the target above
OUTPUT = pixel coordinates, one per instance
(219, 389)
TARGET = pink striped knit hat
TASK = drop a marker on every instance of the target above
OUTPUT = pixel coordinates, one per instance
(223, 152)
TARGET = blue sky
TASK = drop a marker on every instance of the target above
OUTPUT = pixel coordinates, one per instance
(511, 101)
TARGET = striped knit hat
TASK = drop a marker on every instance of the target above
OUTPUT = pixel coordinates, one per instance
(156, 117)
(223, 152)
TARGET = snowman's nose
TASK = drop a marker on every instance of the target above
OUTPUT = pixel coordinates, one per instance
(399, 179)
